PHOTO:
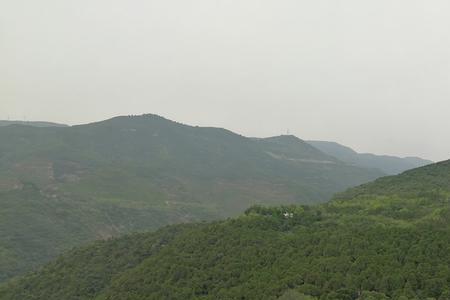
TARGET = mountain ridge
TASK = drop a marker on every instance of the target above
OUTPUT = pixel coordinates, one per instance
(32, 123)
(390, 165)
(63, 186)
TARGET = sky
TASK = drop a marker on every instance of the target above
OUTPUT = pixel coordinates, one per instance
(373, 75)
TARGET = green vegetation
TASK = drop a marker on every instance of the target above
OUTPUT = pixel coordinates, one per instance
(388, 164)
(63, 186)
(293, 295)
(385, 240)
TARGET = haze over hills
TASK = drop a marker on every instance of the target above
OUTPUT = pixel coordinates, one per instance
(119, 206)
(31, 123)
(63, 186)
(389, 239)
(388, 164)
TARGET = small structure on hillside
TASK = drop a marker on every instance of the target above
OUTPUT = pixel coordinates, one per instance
(288, 215)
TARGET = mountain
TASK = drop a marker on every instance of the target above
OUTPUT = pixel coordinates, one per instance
(390, 165)
(289, 147)
(63, 186)
(389, 239)
(31, 123)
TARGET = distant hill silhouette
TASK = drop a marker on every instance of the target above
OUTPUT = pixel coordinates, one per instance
(388, 164)
(31, 123)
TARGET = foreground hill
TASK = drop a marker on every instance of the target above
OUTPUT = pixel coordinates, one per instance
(388, 164)
(385, 240)
(61, 187)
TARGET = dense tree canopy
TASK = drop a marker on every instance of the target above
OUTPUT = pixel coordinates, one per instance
(385, 240)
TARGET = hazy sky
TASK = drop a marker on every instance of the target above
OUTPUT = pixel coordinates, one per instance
(374, 75)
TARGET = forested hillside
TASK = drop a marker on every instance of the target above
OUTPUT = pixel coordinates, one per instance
(63, 186)
(385, 240)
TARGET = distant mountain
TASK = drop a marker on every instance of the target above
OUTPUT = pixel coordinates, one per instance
(31, 123)
(388, 164)
(292, 148)
(63, 186)
(389, 239)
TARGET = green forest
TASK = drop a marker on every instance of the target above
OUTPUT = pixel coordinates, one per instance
(389, 239)
(62, 187)
(225, 150)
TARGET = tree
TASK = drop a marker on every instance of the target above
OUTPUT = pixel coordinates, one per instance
(294, 295)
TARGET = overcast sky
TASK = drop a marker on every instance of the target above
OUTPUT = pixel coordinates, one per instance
(374, 75)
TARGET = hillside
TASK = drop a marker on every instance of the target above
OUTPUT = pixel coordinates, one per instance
(289, 147)
(388, 164)
(389, 239)
(31, 123)
(63, 186)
